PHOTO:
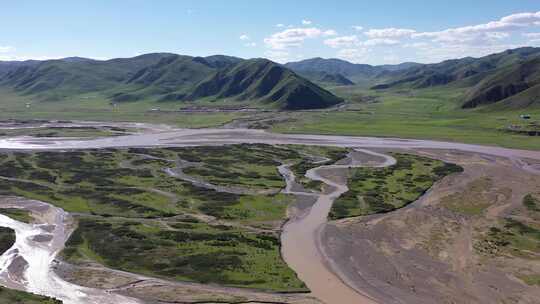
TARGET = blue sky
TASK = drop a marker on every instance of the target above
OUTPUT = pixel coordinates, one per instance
(374, 32)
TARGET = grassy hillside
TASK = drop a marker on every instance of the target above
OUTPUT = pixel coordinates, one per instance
(163, 77)
(334, 66)
(489, 79)
(58, 79)
(265, 81)
(449, 71)
(505, 83)
(327, 79)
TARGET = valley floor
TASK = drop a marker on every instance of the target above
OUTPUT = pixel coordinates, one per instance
(422, 114)
(170, 223)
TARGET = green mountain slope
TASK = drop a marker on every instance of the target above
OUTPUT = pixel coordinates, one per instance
(165, 77)
(455, 70)
(516, 79)
(62, 78)
(335, 66)
(266, 81)
(326, 79)
(313, 68)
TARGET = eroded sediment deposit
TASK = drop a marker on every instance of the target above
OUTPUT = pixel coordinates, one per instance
(374, 259)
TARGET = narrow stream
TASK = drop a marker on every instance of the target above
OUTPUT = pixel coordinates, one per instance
(301, 240)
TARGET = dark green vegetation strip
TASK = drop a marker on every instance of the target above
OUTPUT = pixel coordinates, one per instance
(63, 132)
(133, 216)
(19, 297)
(379, 190)
(17, 214)
(7, 239)
(255, 168)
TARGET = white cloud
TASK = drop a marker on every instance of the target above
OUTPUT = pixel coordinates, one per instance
(483, 31)
(497, 35)
(417, 45)
(329, 33)
(356, 55)
(391, 44)
(250, 44)
(432, 52)
(278, 56)
(244, 37)
(522, 18)
(389, 33)
(294, 37)
(31, 57)
(6, 49)
(352, 41)
(343, 41)
(280, 25)
(379, 41)
(391, 59)
(306, 22)
(531, 35)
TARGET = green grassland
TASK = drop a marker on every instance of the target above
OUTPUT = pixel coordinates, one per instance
(432, 113)
(96, 107)
(379, 190)
(135, 217)
(20, 297)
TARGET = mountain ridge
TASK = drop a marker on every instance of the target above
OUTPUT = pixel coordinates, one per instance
(163, 77)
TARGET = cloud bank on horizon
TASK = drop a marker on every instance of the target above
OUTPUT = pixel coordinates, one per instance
(395, 45)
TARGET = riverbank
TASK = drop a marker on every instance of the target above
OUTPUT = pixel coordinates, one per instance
(518, 159)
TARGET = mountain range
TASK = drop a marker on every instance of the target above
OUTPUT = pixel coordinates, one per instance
(167, 77)
(510, 79)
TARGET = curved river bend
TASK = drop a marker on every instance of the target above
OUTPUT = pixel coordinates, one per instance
(301, 239)
(301, 236)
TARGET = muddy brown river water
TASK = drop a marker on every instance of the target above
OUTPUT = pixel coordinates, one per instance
(301, 237)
